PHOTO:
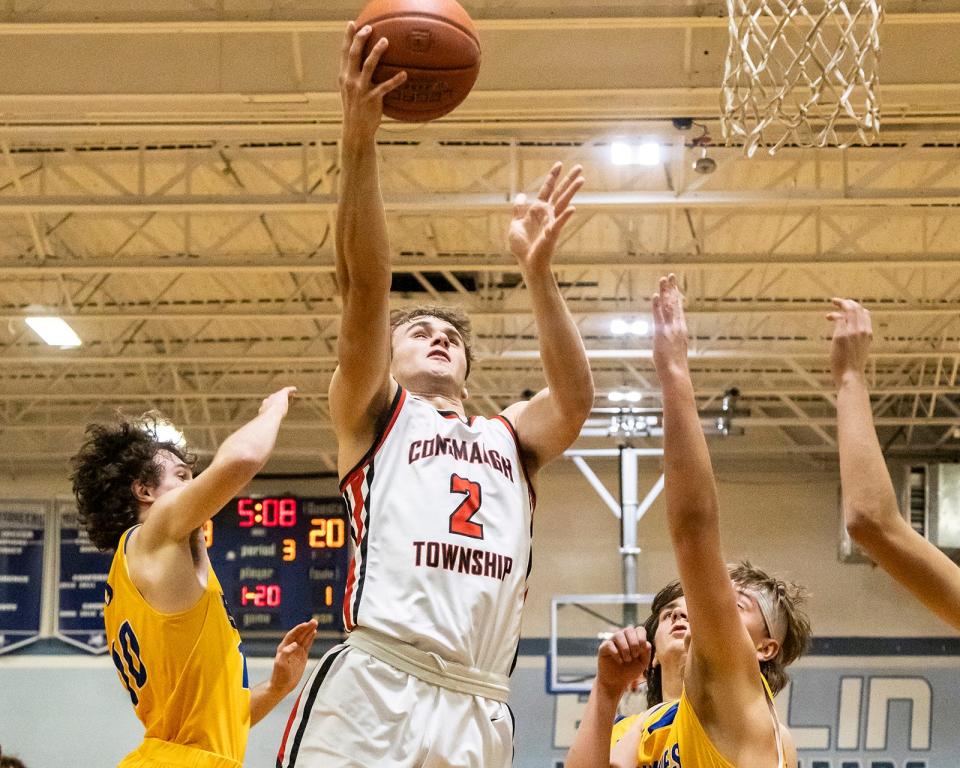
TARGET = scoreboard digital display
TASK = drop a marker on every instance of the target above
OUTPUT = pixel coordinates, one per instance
(281, 560)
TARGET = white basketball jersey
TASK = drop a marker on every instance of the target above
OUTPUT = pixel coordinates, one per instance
(441, 516)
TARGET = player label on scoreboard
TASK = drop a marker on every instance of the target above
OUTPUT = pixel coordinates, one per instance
(21, 573)
(281, 560)
(80, 588)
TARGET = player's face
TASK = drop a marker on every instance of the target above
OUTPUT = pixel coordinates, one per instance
(673, 632)
(173, 474)
(428, 353)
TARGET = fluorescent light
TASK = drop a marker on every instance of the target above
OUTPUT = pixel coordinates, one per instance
(615, 397)
(167, 433)
(621, 153)
(647, 153)
(619, 327)
(633, 396)
(54, 331)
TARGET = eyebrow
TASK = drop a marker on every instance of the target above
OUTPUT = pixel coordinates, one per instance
(428, 325)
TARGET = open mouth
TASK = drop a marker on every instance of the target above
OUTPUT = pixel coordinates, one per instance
(680, 629)
(440, 355)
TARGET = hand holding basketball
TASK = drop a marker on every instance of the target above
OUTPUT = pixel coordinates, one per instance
(362, 100)
(852, 333)
(536, 226)
(669, 328)
(623, 659)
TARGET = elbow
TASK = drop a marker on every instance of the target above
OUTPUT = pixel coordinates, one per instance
(862, 523)
(245, 462)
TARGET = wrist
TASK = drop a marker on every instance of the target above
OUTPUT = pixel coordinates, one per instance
(852, 378)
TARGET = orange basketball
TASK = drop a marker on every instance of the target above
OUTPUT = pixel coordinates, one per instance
(436, 43)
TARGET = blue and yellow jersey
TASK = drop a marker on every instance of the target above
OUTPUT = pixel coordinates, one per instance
(185, 672)
(674, 738)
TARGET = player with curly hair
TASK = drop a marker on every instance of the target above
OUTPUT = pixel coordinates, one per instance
(169, 631)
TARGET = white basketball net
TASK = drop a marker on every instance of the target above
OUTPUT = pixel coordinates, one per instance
(802, 72)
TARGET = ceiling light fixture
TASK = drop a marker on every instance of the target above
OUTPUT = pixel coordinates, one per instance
(54, 331)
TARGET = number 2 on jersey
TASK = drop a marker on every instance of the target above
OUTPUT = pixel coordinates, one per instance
(461, 520)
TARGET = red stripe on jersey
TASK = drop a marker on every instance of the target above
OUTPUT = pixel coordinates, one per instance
(356, 491)
(368, 456)
(523, 465)
(348, 594)
(286, 731)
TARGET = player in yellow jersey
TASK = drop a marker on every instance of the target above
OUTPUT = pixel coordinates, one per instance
(870, 508)
(169, 631)
(719, 634)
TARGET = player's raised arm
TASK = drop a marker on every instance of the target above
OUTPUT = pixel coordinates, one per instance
(870, 508)
(722, 677)
(360, 389)
(178, 513)
(551, 421)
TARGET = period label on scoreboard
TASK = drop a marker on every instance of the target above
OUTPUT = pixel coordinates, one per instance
(281, 560)
(81, 581)
(21, 573)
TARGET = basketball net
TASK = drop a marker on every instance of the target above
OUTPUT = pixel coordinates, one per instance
(801, 72)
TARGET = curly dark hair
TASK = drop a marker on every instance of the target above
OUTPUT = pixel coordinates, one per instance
(111, 458)
(453, 315)
(788, 598)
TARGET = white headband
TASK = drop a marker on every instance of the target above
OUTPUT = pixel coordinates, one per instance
(775, 619)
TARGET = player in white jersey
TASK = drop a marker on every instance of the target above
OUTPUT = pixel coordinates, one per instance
(441, 504)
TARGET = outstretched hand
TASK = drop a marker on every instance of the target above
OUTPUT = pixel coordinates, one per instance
(363, 100)
(669, 328)
(291, 658)
(279, 399)
(623, 659)
(537, 225)
(852, 333)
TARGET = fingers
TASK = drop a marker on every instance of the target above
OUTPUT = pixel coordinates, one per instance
(563, 196)
(385, 87)
(355, 51)
(546, 189)
(371, 62)
(348, 36)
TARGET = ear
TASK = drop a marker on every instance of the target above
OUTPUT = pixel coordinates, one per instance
(767, 649)
(142, 493)
(464, 394)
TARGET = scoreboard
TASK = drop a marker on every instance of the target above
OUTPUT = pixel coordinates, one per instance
(281, 560)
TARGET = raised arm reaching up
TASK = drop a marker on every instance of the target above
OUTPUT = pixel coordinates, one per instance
(870, 508)
(722, 678)
(361, 388)
(551, 420)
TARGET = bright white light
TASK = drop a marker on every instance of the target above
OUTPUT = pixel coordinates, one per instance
(620, 327)
(165, 432)
(647, 153)
(615, 397)
(622, 153)
(633, 396)
(651, 421)
(54, 331)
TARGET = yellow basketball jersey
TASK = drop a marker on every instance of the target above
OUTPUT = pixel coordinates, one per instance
(185, 672)
(674, 738)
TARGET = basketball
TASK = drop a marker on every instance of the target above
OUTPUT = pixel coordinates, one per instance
(435, 42)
